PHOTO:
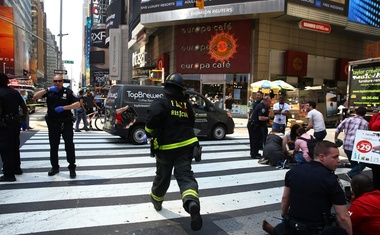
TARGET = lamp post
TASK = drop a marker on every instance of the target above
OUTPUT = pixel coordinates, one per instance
(4, 67)
(60, 35)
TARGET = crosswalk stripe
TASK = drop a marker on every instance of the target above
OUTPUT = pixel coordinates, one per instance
(130, 189)
(128, 171)
(42, 221)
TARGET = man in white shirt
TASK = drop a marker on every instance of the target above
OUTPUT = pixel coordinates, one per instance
(315, 121)
(281, 112)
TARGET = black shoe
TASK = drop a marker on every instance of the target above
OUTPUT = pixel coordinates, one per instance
(196, 219)
(18, 171)
(77, 131)
(53, 171)
(157, 205)
(258, 156)
(7, 178)
(73, 174)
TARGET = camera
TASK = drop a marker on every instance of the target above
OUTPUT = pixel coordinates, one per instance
(347, 193)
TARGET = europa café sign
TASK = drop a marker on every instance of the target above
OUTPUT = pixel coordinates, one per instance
(314, 26)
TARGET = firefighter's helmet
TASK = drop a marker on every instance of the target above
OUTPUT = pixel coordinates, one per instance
(175, 79)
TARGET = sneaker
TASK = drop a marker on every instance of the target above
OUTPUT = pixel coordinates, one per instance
(53, 171)
(196, 219)
(73, 174)
(157, 205)
(7, 178)
(258, 156)
(267, 227)
(263, 161)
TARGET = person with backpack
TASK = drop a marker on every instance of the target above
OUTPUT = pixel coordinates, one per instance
(349, 126)
(301, 152)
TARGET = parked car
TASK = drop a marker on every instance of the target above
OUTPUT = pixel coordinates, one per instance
(210, 121)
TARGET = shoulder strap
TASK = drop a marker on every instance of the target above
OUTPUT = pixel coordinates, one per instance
(302, 138)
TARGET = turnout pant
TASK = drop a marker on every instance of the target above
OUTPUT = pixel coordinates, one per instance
(55, 132)
(181, 160)
(10, 148)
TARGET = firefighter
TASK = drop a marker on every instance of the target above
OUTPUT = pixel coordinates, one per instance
(59, 119)
(170, 121)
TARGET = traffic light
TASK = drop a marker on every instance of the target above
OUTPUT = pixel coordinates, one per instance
(200, 4)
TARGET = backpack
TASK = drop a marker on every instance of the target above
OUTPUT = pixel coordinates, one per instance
(311, 143)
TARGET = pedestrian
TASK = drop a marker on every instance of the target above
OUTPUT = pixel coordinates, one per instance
(374, 125)
(10, 124)
(365, 206)
(228, 103)
(80, 113)
(275, 152)
(281, 112)
(170, 121)
(251, 101)
(301, 150)
(89, 105)
(315, 121)
(310, 191)
(349, 126)
(257, 127)
(60, 101)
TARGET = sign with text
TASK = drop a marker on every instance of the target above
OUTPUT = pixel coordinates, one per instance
(366, 147)
(56, 71)
(314, 26)
(339, 7)
(216, 47)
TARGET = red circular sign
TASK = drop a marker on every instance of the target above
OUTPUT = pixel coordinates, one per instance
(364, 146)
(159, 64)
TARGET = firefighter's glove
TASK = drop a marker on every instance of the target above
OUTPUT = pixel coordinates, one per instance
(197, 153)
(59, 109)
(54, 89)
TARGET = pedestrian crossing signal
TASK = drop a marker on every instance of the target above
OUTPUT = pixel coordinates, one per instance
(200, 4)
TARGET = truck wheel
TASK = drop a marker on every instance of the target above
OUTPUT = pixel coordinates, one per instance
(218, 132)
(137, 133)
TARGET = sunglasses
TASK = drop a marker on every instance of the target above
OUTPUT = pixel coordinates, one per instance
(57, 80)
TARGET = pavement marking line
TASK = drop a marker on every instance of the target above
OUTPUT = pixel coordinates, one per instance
(72, 218)
(36, 177)
(130, 189)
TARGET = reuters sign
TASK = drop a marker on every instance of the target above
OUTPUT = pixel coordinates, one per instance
(314, 26)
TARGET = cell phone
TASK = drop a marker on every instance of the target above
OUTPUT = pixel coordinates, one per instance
(347, 192)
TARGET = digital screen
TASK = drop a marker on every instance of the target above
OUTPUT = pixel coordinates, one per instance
(339, 7)
(365, 85)
(365, 12)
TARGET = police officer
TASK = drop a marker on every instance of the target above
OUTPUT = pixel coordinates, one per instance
(170, 121)
(10, 124)
(257, 126)
(59, 120)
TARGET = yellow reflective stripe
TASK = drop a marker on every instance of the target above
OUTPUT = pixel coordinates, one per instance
(179, 144)
(148, 130)
(190, 192)
(156, 198)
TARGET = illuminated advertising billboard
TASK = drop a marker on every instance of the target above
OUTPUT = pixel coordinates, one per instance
(114, 17)
(7, 41)
(150, 6)
(365, 12)
(217, 47)
(339, 7)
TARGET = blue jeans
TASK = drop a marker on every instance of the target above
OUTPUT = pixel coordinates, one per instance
(81, 116)
(357, 167)
(298, 156)
(278, 127)
(320, 135)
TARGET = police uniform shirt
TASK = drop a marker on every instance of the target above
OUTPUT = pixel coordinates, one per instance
(260, 110)
(10, 100)
(62, 98)
(313, 191)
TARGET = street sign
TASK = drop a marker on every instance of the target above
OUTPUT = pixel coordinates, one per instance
(68, 62)
(56, 71)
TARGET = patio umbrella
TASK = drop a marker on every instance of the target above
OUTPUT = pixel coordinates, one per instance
(265, 86)
(284, 85)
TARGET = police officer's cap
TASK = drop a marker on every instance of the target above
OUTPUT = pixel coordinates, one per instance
(175, 79)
